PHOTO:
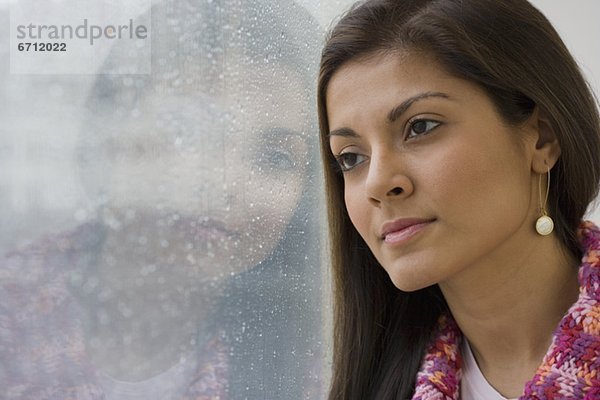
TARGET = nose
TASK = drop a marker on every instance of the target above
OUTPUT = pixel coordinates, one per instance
(387, 178)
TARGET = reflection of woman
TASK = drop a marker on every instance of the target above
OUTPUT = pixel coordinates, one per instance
(197, 279)
(449, 121)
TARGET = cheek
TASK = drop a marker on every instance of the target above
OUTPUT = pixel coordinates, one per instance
(460, 179)
(478, 183)
(139, 184)
(182, 181)
(270, 202)
(358, 209)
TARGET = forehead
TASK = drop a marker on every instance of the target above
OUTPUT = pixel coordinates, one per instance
(397, 72)
(381, 82)
(244, 95)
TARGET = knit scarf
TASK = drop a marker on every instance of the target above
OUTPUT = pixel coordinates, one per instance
(571, 367)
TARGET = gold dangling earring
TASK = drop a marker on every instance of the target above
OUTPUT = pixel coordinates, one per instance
(544, 224)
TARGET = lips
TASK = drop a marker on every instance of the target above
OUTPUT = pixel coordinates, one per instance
(205, 228)
(400, 225)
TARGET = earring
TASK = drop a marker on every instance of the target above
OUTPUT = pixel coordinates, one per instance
(544, 224)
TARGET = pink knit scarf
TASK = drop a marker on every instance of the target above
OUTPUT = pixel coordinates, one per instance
(571, 367)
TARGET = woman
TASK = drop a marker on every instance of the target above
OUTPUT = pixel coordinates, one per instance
(454, 135)
(197, 276)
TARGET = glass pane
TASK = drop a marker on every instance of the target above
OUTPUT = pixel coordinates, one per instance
(161, 232)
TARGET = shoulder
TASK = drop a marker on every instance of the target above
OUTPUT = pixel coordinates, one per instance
(589, 271)
(569, 369)
(40, 324)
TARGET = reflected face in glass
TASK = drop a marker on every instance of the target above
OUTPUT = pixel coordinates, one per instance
(436, 183)
(210, 177)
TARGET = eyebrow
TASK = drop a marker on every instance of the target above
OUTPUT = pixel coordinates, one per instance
(405, 105)
(394, 114)
(344, 132)
(278, 132)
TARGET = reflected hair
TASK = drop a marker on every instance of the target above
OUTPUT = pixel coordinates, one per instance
(511, 51)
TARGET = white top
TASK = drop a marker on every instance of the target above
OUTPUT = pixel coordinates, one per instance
(473, 385)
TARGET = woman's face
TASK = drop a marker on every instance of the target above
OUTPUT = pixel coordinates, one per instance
(207, 178)
(435, 182)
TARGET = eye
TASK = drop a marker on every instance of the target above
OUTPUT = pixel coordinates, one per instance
(347, 161)
(274, 161)
(420, 127)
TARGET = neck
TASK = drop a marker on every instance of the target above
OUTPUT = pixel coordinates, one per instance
(508, 305)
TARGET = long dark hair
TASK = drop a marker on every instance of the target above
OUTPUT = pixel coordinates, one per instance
(513, 53)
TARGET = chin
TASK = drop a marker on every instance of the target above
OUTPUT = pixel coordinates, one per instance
(414, 271)
(410, 284)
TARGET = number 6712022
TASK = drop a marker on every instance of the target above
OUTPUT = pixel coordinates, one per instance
(35, 46)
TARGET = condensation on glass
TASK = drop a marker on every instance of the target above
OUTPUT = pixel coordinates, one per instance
(161, 233)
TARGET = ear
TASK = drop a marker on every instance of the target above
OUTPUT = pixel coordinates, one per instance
(547, 149)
